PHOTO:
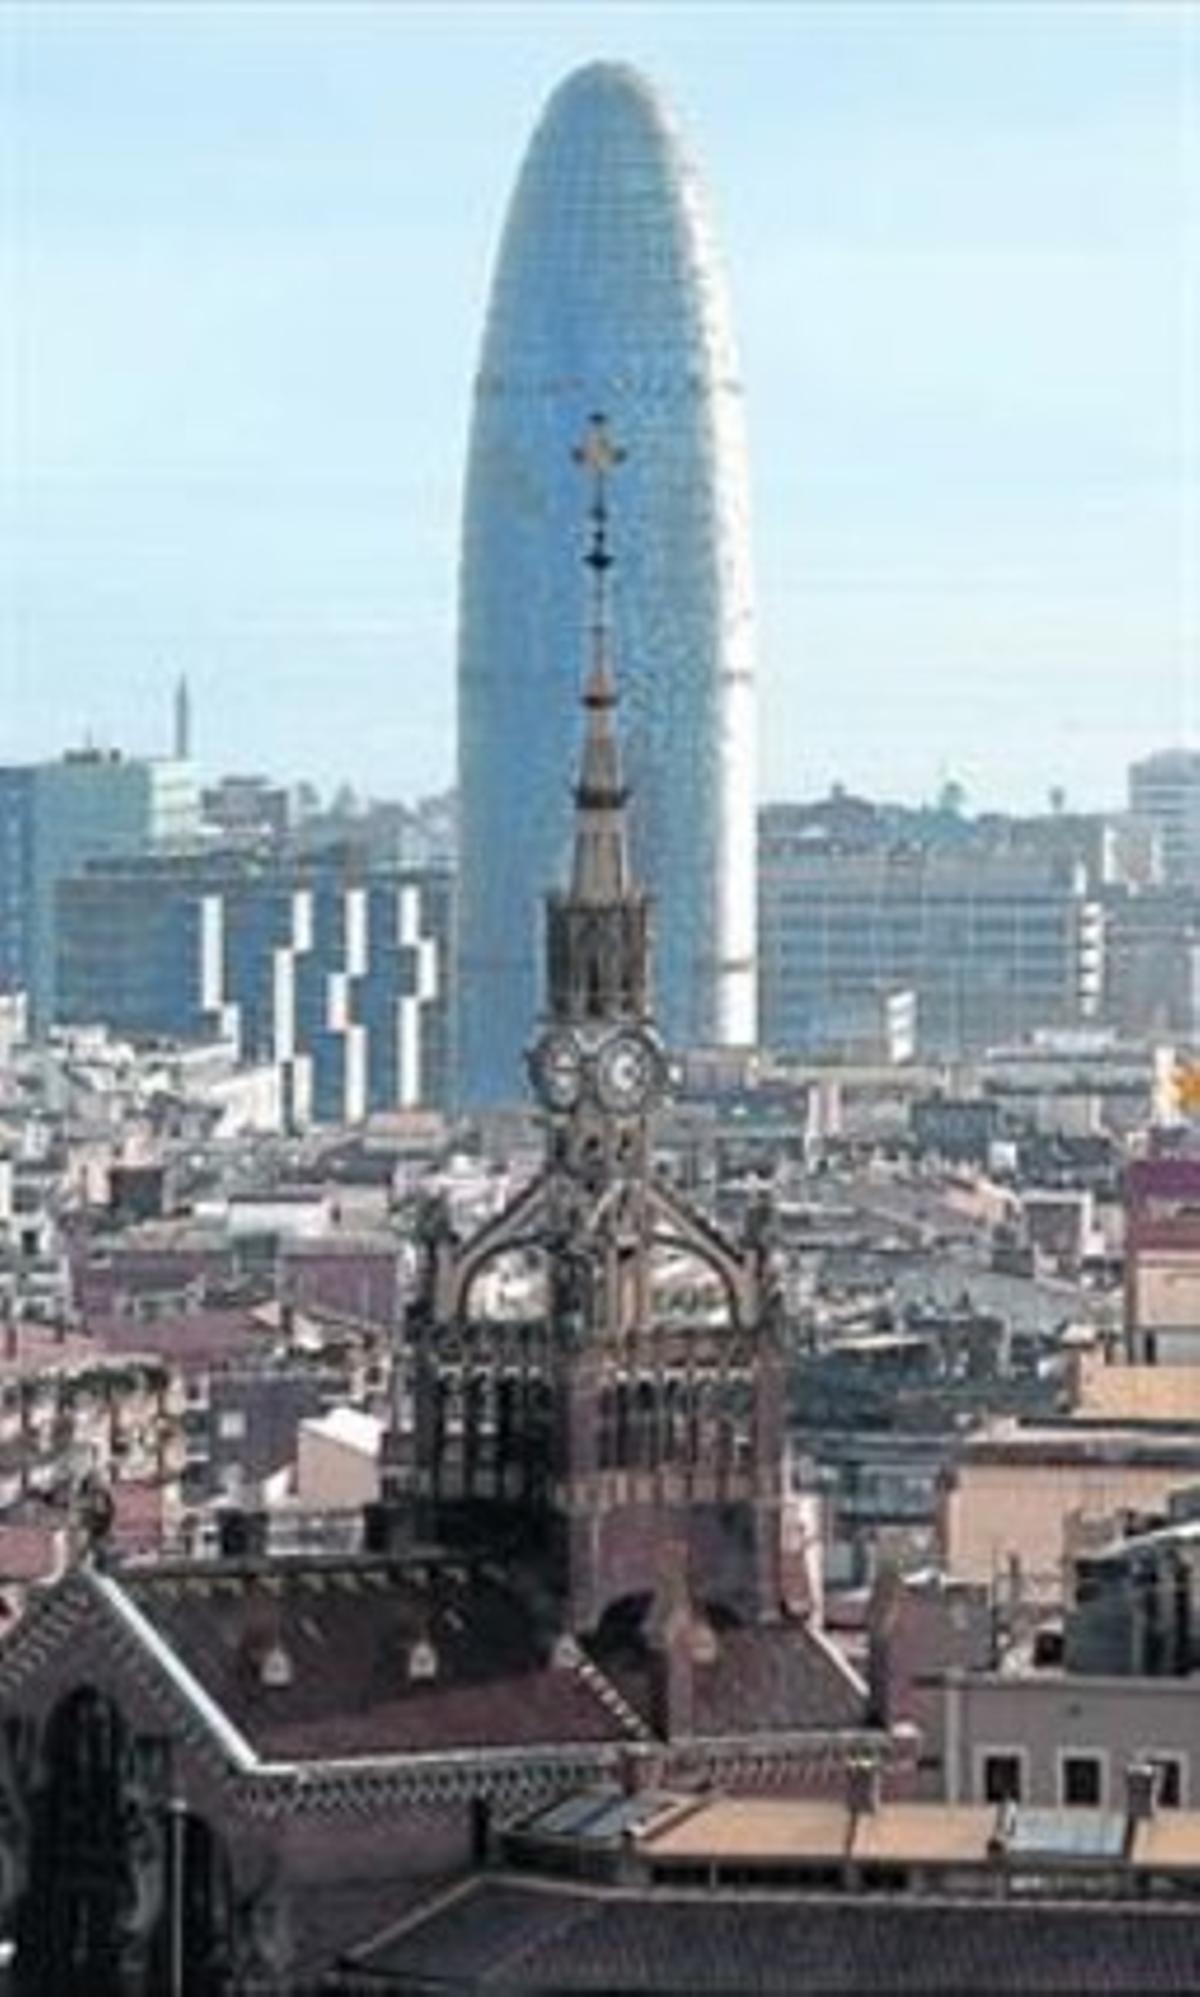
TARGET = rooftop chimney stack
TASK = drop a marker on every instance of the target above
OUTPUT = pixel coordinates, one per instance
(863, 1785)
(1141, 1796)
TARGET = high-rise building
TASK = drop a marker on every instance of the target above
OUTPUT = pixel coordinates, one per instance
(53, 817)
(1152, 963)
(607, 296)
(1164, 793)
(333, 974)
(991, 942)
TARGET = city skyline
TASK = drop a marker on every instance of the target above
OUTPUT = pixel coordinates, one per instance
(237, 384)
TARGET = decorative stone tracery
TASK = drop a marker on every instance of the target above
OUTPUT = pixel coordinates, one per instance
(605, 1439)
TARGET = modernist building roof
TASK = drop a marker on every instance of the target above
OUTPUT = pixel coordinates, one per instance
(725, 1892)
(321, 1659)
(312, 1659)
(505, 1933)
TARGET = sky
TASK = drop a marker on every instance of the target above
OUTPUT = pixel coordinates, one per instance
(244, 258)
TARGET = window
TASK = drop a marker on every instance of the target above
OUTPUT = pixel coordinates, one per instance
(1002, 1776)
(1081, 1781)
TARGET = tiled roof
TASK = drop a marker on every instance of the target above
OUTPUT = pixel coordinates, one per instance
(504, 1934)
(28, 1552)
(199, 1338)
(334, 1913)
(138, 1513)
(367, 1658)
(765, 1678)
(1163, 1178)
(40, 1351)
(775, 1678)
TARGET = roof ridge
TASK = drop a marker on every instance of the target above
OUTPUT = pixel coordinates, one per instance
(609, 1695)
(441, 1894)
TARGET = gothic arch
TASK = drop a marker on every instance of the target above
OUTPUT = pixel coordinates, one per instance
(698, 1271)
(115, 1877)
(474, 1268)
(74, 1920)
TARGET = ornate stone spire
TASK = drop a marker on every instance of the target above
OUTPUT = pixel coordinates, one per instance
(601, 867)
(611, 1446)
(597, 933)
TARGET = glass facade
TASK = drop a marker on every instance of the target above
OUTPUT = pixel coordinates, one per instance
(606, 297)
(991, 947)
(335, 977)
(53, 817)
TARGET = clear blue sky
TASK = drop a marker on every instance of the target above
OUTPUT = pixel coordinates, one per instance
(244, 254)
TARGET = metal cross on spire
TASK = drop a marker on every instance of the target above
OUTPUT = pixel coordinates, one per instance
(601, 869)
(599, 456)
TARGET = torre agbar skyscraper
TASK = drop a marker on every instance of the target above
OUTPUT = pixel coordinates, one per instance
(607, 297)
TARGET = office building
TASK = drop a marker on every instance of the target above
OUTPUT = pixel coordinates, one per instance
(1164, 794)
(607, 296)
(1152, 962)
(332, 973)
(53, 817)
(248, 810)
(992, 943)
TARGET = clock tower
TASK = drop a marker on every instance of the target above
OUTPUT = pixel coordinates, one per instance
(620, 1438)
(597, 1065)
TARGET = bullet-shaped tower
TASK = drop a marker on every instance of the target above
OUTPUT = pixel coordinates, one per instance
(607, 295)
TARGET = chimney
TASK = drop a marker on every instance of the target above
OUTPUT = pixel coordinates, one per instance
(241, 1535)
(863, 1785)
(671, 1632)
(639, 1770)
(679, 1677)
(1141, 1797)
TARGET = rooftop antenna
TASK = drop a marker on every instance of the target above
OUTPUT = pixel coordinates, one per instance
(181, 745)
(599, 457)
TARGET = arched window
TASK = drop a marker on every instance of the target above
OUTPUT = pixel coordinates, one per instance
(73, 1927)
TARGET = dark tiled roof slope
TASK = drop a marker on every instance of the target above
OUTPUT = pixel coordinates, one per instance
(503, 1936)
(342, 1639)
(772, 1679)
(331, 1915)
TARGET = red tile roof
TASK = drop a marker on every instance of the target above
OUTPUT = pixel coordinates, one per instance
(344, 1638)
(194, 1340)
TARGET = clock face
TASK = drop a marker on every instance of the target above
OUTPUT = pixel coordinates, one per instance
(627, 1072)
(557, 1068)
